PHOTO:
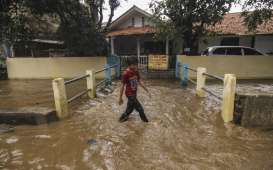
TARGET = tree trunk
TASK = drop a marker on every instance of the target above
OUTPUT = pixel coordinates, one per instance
(191, 43)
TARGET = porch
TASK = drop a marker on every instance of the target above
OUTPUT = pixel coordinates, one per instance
(139, 45)
(143, 46)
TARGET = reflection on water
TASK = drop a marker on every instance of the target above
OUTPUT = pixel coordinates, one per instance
(185, 132)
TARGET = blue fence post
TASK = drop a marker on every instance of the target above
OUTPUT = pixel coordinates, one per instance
(107, 74)
(177, 69)
(117, 70)
(185, 75)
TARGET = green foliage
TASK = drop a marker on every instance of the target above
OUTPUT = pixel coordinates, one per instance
(261, 11)
(13, 21)
(77, 27)
(187, 19)
(82, 38)
(80, 26)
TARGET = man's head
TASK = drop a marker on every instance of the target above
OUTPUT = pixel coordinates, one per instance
(132, 63)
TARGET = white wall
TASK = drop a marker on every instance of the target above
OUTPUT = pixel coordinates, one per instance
(138, 21)
(244, 67)
(264, 43)
(46, 68)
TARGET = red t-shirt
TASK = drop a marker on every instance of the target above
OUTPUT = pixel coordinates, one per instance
(130, 78)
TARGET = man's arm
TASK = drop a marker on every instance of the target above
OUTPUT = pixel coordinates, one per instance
(141, 83)
(121, 94)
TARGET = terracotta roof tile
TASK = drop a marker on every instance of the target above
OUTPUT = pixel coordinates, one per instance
(233, 23)
(132, 31)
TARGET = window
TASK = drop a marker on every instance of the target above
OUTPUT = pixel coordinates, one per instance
(230, 41)
(248, 51)
(219, 51)
(143, 21)
(234, 51)
(133, 21)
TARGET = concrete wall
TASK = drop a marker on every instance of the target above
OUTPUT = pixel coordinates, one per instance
(254, 110)
(45, 68)
(244, 67)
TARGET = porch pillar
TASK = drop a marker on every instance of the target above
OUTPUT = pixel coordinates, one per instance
(138, 47)
(167, 46)
(112, 45)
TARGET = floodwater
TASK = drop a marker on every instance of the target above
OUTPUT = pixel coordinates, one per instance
(184, 132)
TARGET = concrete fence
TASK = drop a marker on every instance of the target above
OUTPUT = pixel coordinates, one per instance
(229, 89)
(47, 68)
(244, 67)
(59, 87)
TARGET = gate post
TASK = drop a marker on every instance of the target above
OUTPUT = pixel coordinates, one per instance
(91, 83)
(228, 97)
(107, 74)
(60, 98)
(117, 71)
(177, 68)
(201, 81)
(184, 75)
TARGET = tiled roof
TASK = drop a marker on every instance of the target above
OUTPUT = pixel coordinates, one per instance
(233, 23)
(132, 31)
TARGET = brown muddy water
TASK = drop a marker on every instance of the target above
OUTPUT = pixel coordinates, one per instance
(185, 132)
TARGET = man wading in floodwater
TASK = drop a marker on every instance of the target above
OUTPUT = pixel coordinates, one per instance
(131, 79)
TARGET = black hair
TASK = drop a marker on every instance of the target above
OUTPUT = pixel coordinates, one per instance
(132, 61)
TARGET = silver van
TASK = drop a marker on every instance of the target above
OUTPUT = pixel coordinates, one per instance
(230, 50)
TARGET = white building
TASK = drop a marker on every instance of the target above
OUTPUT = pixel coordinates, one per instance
(132, 34)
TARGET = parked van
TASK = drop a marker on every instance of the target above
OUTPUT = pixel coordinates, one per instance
(230, 50)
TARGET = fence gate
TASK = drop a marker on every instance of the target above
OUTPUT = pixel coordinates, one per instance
(153, 66)
(142, 63)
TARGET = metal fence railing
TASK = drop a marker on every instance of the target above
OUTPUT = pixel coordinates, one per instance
(59, 87)
(229, 90)
(142, 62)
(204, 74)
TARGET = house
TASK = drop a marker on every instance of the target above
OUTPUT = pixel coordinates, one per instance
(132, 34)
(232, 31)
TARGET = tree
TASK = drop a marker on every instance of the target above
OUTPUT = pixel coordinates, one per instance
(96, 8)
(187, 20)
(80, 25)
(76, 25)
(13, 22)
(262, 12)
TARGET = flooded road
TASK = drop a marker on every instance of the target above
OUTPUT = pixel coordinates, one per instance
(185, 132)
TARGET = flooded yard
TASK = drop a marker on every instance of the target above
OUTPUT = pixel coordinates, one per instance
(184, 132)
